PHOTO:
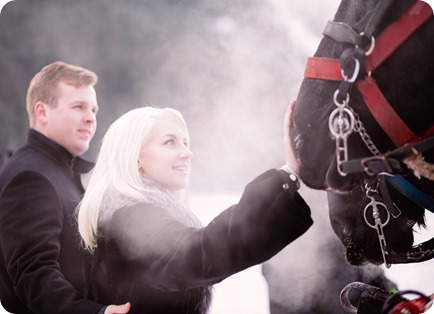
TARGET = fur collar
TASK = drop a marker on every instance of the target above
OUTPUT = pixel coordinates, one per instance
(153, 193)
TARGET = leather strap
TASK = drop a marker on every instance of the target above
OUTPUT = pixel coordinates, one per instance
(388, 41)
(392, 124)
(397, 33)
(389, 162)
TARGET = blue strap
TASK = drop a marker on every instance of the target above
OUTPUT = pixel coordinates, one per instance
(410, 191)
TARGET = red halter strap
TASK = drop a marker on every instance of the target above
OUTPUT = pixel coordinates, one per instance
(387, 42)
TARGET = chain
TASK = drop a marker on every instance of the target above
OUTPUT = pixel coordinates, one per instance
(359, 128)
(343, 120)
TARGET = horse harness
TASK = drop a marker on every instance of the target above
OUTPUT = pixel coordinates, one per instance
(380, 202)
(355, 67)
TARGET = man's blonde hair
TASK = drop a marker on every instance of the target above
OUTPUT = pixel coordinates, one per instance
(44, 85)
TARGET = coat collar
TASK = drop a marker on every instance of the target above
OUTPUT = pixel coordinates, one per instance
(56, 152)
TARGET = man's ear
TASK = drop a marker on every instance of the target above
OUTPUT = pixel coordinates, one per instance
(40, 111)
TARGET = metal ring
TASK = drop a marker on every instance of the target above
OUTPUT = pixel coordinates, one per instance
(373, 226)
(342, 132)
(335, 99)
(372, 292)
(355, 73)
(371, 47)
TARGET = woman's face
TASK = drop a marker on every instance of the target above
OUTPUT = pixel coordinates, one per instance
(165, 156)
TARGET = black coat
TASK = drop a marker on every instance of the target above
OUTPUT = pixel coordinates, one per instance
(41, 260)
(160, 265)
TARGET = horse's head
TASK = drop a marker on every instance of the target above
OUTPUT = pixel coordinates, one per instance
(405, 78)
(388, 239)
(363, 108)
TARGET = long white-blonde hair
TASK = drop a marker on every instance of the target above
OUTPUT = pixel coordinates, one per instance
(116, 165)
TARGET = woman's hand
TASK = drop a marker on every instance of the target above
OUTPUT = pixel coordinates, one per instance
(290, 160)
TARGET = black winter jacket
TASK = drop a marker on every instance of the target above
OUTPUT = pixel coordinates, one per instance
(150, 257)
(41, 260)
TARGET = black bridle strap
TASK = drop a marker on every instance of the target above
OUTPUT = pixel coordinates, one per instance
(373, 165)
(390, 162)
(342, 32)
(387, 199)
(388, 41)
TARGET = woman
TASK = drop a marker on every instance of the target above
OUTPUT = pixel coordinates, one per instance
(151, 250)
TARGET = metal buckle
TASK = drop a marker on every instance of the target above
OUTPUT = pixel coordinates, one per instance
(365, 164)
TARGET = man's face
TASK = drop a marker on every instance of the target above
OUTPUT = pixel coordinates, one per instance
(72, 123)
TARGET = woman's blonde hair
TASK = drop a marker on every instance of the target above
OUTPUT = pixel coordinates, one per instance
(116, 165)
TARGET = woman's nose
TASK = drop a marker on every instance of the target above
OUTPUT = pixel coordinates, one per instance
(186, 153)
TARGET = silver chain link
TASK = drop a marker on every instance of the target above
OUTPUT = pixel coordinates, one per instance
(359, 128)
(342, 122)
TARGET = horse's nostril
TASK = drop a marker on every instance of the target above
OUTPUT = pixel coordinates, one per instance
(409, 224)
(354, 256)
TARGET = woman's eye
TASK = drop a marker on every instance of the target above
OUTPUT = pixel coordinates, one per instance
(169, 142)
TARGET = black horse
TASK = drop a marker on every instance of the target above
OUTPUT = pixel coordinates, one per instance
(366, 108)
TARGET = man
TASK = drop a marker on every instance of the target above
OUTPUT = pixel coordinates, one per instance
(41, 260)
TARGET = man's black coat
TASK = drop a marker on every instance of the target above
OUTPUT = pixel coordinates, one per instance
(41, 261)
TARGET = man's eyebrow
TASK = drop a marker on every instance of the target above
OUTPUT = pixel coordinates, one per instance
(81, 102)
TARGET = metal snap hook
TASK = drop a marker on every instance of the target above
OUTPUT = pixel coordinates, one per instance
(344, 102)
(355, 73)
